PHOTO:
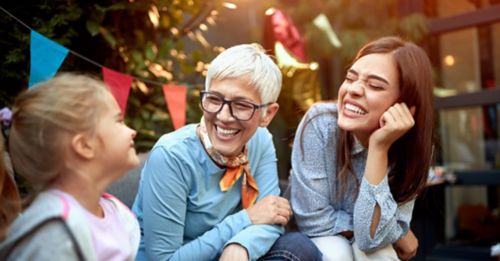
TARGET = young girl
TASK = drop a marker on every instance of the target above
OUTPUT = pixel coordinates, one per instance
(69, 141)
(358, 164)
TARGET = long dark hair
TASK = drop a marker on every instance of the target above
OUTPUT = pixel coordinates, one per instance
(408, 170)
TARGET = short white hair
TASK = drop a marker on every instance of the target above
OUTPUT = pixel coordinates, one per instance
(247, 61)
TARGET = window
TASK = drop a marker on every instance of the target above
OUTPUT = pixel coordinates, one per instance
(464, 50)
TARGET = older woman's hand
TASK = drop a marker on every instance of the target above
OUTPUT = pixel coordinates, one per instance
(270, 210)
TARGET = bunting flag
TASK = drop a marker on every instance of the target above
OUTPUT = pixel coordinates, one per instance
(175, 98)
(285, 31)
(46, 58)
(119, 84)
(321, 21)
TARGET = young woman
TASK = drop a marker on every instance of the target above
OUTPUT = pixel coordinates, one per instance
(210, 190)
(69, 141)
(358, 164)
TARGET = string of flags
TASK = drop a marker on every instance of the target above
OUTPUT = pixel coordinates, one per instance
(47, 56)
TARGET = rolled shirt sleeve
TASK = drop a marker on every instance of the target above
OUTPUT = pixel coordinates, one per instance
(394, 219)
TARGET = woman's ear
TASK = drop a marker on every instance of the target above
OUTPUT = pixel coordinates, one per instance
(82, 146)
(271, 111)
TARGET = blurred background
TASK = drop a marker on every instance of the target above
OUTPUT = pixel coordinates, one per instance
(313, 41)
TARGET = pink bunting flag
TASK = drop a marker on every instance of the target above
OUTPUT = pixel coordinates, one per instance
(175, 98)
(119, 84)
(285, 31)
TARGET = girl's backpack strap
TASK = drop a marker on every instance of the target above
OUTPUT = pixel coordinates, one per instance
(35, 229)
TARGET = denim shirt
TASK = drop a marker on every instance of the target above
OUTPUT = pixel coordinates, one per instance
(317, 208)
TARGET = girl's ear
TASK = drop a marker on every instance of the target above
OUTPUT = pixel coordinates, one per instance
(271, 111)
(83, 146)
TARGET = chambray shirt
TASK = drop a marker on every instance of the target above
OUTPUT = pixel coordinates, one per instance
(182, 212)
(318, 211)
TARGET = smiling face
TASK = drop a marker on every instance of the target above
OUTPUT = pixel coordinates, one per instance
(371, 86)
(116, 140)
(227, 134)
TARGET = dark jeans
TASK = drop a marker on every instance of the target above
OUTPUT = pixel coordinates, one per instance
(293, 246)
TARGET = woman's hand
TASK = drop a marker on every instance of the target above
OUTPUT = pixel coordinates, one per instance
(234, 252)
(270, 210)
(394, 123)
(406, 247)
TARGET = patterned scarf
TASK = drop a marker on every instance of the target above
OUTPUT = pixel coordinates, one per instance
(235, 168)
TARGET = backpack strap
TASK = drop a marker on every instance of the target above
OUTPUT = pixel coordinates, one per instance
(39, 226)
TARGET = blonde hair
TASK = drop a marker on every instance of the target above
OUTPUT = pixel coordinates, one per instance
(247, 61)
(44, 119)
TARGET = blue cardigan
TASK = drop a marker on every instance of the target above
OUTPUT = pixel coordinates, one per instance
(181, 210)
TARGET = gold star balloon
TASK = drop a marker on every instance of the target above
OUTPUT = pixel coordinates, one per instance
(301, 87)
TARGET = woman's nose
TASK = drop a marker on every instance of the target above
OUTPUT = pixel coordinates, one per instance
(355, 88)
(134, 132)
(225, 113)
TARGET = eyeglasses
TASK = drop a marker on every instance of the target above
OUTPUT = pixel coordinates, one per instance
(240, 109)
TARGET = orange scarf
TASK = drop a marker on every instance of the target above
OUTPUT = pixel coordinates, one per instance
(235, 168)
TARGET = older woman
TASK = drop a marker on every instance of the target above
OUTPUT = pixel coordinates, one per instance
(210, 190)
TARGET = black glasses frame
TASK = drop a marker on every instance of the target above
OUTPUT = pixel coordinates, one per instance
(229, 102)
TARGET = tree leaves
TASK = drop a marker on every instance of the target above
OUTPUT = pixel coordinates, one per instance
(120, 35)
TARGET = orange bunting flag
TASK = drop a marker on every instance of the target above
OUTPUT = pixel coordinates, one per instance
(175, 98)
(249, 189)
(119, 85)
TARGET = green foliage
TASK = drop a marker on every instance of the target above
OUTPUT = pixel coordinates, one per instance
(53, 19)
(153, 45)
(155, 41)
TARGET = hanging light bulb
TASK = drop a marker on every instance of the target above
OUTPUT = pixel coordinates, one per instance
(203, 27)
(174, 31)
(154, 16)
(142, 87)
(270, 11)
(230, 5)
(201, 39)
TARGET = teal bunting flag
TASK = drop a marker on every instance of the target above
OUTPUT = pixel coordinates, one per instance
(46, 58)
